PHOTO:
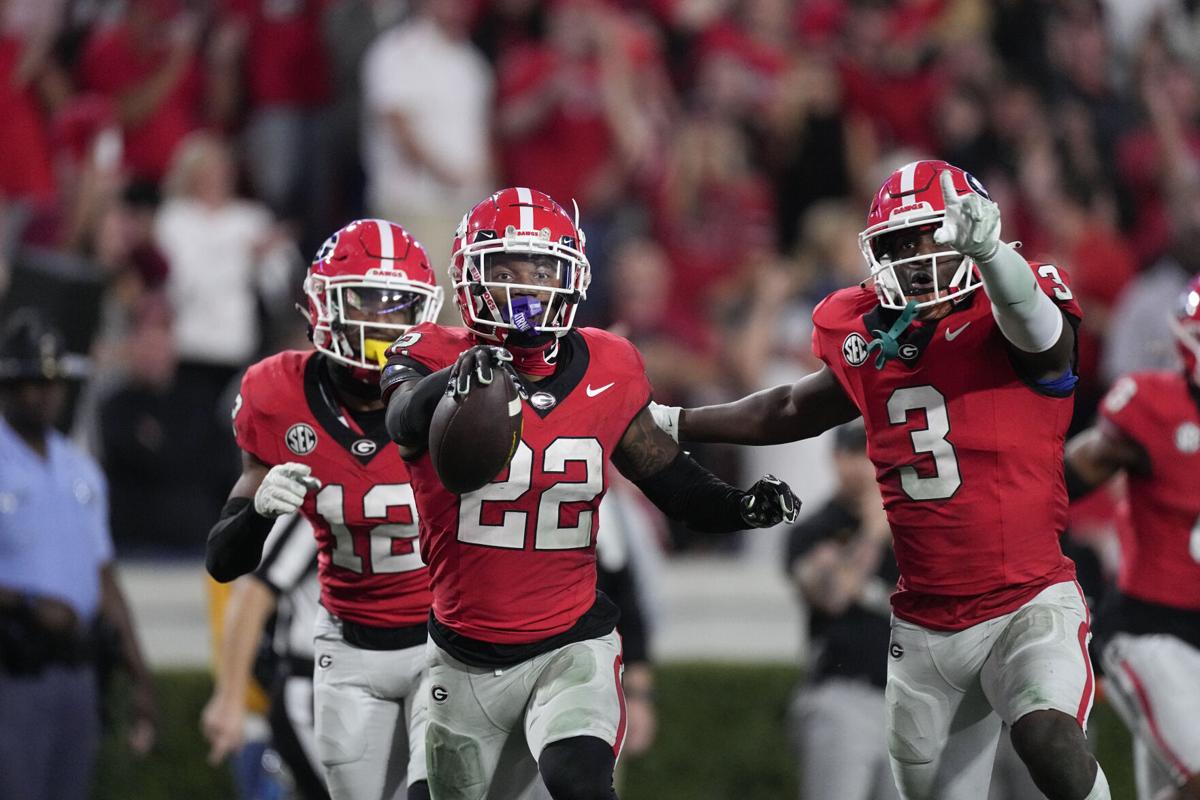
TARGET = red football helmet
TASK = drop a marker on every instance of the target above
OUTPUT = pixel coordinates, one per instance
(369, 283)
(1185, 324)
(911, 197)
(530, 223)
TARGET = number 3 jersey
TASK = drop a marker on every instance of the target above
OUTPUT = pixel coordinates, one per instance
(514, 563)
(364, 514)
(968, 454)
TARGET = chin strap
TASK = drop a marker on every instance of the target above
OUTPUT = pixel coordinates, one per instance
(888, 341)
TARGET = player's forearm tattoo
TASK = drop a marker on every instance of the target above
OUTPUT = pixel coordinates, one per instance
(644, 449)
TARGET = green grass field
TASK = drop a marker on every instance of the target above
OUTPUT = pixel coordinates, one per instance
(721, 736)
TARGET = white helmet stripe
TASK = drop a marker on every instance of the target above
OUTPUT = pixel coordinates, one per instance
(908, 174)
(387, 244)
(525, 197)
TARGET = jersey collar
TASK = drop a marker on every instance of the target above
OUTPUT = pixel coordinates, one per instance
(321, 396)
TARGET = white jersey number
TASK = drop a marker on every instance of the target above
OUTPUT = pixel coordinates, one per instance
(931, 439)
(376, 502)
(550, 534)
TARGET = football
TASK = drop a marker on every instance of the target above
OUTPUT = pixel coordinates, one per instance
(472, 438)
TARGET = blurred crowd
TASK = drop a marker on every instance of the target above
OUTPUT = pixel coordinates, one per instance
(170, 166)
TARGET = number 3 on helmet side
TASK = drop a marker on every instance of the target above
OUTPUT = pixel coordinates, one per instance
(931, 439)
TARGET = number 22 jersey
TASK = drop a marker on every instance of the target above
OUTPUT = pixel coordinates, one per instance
(514, 563)
(968, 454)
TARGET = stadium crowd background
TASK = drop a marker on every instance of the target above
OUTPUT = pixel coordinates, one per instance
(168, 168)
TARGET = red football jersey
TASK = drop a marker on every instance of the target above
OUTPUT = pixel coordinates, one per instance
(364, 515)
(1160, 534)
(515, 562)
(968, 456)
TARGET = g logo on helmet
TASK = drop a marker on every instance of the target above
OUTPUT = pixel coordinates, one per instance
(976, 186)
(301, 439)
(327, 248)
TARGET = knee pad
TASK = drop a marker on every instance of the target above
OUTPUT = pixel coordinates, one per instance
(340, 737)
(455, 771)
(910, 724)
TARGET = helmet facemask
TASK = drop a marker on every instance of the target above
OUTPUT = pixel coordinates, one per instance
(357, 318)
(933, 281)
(536, 300)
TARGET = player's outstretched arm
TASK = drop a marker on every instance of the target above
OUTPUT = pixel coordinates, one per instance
(262, 493)
(806, 408)
(684, 490)
(1040, 340)
(1096, 454)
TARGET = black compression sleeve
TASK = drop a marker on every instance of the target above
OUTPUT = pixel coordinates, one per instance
(686, 491)
(409, 415)
(235, 543)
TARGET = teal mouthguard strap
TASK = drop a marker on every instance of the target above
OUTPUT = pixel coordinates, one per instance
(888, 341)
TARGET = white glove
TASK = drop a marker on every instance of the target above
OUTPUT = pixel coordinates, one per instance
(283, 488)
(972, 223)
(667, 418)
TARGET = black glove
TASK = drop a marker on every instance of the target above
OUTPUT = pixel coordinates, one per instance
(480, 362)
(769, 502)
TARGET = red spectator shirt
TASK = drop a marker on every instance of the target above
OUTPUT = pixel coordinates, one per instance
(515, 562)
(1160, 534)
(364, 515)
(285, 61)
(969, 457)
(25, 170)
(112, 66)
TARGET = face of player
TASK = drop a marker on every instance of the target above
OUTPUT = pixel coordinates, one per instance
(377, 313)
(917, 277)
(528, 272)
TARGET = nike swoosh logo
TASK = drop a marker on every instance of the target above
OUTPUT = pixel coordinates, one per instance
(952, 335)
(593, 392)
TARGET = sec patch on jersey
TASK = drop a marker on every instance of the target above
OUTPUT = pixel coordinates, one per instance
(473, 436)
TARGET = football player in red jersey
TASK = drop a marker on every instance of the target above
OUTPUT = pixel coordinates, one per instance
(1149, 628)
(525, 664)
(966, 396)
(311, 429)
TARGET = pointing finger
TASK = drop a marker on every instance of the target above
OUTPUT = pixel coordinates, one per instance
(949, 193)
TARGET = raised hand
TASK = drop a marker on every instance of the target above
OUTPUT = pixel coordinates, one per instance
(972, 223)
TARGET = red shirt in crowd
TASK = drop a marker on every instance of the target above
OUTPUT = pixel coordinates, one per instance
(25, 170)
(112, 65)
(285, 62)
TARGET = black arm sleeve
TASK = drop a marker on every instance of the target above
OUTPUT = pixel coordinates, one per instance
(409, 415)
(235, 543)
(686, 491)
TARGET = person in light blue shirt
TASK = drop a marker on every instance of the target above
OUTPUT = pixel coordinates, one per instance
(58, 587)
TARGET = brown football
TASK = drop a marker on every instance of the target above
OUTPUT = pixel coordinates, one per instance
(472, 438)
